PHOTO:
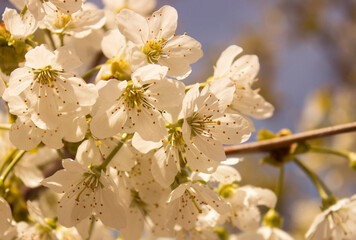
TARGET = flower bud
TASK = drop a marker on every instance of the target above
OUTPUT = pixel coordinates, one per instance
(272, 219)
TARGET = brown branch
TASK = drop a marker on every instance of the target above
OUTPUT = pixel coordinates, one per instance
(282, 142)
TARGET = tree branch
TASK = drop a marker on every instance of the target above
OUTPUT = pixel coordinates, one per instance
(281, 142)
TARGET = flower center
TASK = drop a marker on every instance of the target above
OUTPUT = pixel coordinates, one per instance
(62, 20)
(134, 98)
(120, 69)
(201, 125)
(90, 181)
(153, 50)
(45, 76)
(175, 139)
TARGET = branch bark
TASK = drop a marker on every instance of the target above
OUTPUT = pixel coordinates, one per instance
(282, 142)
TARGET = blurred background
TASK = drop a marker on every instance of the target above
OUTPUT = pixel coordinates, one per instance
(307, 52)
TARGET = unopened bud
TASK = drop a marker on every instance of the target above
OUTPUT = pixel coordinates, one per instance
(352, 158)
(272, 219)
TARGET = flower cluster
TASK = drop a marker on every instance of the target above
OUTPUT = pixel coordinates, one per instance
(143, 152)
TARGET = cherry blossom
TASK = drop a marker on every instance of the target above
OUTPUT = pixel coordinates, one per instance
(242, 72)
(187, 199)
(112, 7)
(206, 127)
(79, 24)
(336, 222)
(7, 230)
(48, 93)
(157, 40)
(40, 8)
(134, 105)
(20, 26)
(85, 192)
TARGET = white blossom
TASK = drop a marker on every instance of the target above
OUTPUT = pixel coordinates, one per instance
(244, 201)
(134, 105)
(45, 93)
(20, 26)
(242, 72)
(112, 7)
(336, 222)
(186, 200)
(206, 127)
(156, 38)
(79, 24)
(41, 228)
(7, 230)
(40, 8)
(120, 64)
(3, 79)
(85, 193)
(197, 234)
(269, 233)
(28, 169)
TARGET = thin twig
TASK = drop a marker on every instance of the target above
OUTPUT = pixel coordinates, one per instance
(281, 142)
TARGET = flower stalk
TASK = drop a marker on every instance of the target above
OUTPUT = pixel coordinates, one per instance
(324, 192)
(11, 166)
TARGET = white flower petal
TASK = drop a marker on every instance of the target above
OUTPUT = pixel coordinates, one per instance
(212, 199)
(210, 147)
(142, 145)
(68, 6)
(19, 80)
(24, 135)
(135, 224)
(245, 68)
(225, 60)
(163, 23)
(164, 168)
(67, 58)
(179, 191)
(36, 212)
(133, 26)
(62, 179)
(108, 209)
(124, 160)
(224, 90)
(226, 175)
(199, 162)
(20, 27)
(113, 44)
(40, 57)
(149, 124)
(249, 102)
(29, 174)
(149, 74)
(88, 153)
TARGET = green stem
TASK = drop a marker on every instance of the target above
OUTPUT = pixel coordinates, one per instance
(279, 185)
(49, 34)
(11, 166)
(9, 155)
(24, 10)
(91, 227)
(329, 151)
(61, 38)
(104, 164)
(60, 154)
(323, 190)
(91, 72)
(201, 85)
(194, 202)
(5, 126)
(30, 42)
